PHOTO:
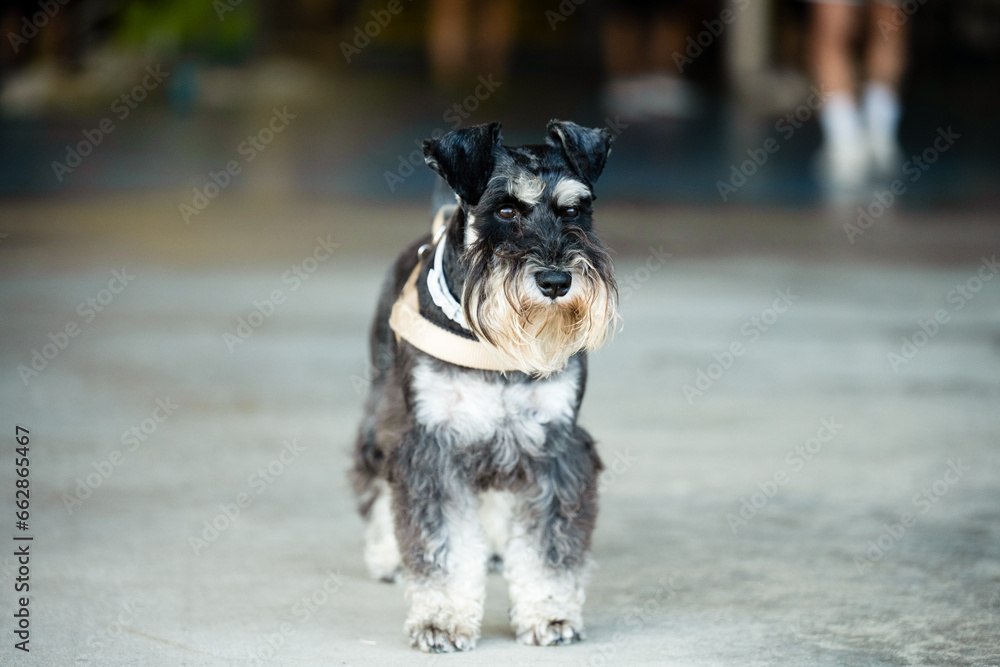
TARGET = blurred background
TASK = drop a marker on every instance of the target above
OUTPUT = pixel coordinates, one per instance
(199, 199)
(696, 91)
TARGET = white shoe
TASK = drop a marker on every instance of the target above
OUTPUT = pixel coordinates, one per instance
(886, 157)
(880, 107)
(844, 165)
(844, 161)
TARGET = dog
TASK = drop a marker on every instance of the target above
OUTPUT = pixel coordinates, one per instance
(469, 453)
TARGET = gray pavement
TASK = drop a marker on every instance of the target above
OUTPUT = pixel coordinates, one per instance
(810, 500)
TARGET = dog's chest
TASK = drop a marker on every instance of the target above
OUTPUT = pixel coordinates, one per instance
(471, 409)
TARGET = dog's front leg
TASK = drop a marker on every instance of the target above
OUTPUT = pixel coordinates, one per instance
(442, 545)
(547, 558)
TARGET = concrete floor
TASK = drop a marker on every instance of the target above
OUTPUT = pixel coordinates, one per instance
(870, 532)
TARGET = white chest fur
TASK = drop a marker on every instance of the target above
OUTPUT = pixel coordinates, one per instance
(471, 410)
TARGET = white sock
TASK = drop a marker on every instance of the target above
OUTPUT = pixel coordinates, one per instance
(881, 109)
(840, 121)
(844, 141)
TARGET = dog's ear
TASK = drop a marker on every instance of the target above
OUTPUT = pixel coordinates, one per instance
(465, 158)
(585, 149)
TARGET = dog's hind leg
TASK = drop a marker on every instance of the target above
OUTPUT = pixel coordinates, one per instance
(380, 429)
(381, 549)
(374, 495)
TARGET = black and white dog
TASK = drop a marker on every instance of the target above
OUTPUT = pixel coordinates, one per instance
(469, 452)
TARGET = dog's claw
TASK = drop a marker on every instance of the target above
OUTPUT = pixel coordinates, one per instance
(431, 639)
(551, 633)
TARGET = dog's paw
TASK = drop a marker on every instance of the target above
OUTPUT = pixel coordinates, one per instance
(551, 633)
(432, 639)
(388, 573)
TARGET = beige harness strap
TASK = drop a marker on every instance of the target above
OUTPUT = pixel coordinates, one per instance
(408, 324)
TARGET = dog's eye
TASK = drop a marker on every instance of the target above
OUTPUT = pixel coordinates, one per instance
(571, 212)
(507, 213)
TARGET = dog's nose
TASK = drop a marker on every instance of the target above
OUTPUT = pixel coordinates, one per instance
(553, 284)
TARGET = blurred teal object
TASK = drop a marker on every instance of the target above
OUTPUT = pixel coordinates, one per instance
(182, 89)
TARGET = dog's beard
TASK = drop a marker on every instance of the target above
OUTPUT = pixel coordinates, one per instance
(506, 310)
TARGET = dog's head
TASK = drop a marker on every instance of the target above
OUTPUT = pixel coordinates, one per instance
(537, 282)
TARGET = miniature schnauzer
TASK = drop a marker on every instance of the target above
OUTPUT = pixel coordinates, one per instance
(469, 453)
